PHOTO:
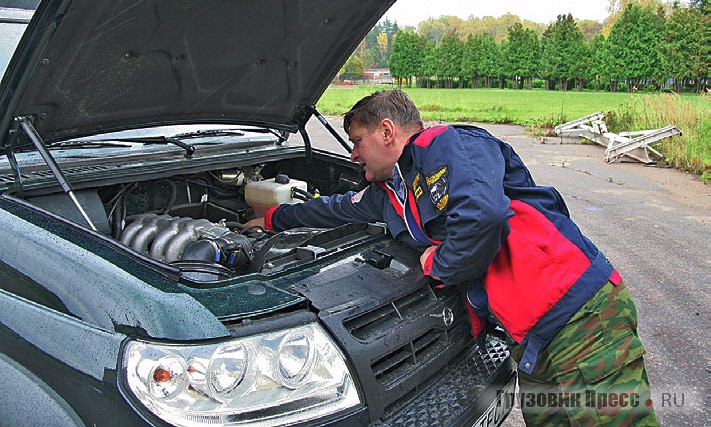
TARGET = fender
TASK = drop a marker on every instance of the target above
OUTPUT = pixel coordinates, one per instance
(27, 400)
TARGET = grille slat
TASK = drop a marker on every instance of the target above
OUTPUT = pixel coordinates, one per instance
(392, 361)
(417, 351)
(371, 325)
(413, 301)
(376, 323)
(426, 340)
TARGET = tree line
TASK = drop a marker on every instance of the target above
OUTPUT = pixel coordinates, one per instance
(648, 48)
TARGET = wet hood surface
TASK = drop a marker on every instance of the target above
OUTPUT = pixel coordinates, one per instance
(87, 67)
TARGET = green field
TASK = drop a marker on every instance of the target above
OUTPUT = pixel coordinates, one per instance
(542, 110)
(528, 108)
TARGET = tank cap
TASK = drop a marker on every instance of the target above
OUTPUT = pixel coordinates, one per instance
(282, 179)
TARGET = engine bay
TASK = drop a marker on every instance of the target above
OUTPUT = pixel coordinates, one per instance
(196, 222)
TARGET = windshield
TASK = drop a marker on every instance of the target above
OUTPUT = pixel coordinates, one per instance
(159, 141)
(14, 16)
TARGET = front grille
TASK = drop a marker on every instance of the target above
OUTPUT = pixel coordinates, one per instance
(423, 347)
(401, 336)
(397, 364)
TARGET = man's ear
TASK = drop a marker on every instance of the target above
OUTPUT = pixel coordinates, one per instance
(387, 128)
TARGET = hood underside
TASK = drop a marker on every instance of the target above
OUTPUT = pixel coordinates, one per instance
(102, 66)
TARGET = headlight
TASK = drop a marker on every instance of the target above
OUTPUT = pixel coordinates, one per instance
(272, 379)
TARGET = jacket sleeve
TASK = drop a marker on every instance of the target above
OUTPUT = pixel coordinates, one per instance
(331, 211)
(476, 207)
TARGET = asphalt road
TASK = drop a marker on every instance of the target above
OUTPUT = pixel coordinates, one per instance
(654, 224)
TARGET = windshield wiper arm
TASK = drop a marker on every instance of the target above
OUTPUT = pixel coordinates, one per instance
(233, 132)
(209, 132)
(116, 142)
(153, 140)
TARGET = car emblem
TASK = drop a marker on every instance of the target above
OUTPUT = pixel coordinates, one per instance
(447, 316)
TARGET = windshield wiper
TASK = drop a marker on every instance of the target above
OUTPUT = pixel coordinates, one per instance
(176, 139)
(160, 139)
(117, 142)
(73, 145)
(235, 132)
(210, 132)
(155, 140)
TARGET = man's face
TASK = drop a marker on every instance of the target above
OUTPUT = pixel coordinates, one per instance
(371, 152)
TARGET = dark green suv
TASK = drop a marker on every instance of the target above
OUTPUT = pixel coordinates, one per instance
(137, 139)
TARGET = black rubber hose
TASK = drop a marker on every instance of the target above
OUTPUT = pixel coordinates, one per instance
(297, 191)
(173, 195)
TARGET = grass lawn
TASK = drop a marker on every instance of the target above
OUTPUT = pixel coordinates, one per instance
(528, 108)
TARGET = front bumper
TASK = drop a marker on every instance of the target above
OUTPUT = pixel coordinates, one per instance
(465, 394)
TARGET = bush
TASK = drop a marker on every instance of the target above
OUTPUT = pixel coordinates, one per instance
(538, 84)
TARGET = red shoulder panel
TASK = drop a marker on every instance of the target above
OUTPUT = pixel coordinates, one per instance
(426, 136)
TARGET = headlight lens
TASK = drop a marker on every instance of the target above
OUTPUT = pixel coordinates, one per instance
(227, 371)
(296, 356)
(276, 378)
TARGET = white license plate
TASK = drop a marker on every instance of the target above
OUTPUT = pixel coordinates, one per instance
(500, 408)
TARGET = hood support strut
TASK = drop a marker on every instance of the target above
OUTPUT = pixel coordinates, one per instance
(36, 139)
(305, 114)
(330, 128)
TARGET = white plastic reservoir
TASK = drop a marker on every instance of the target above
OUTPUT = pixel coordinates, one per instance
(264, 195)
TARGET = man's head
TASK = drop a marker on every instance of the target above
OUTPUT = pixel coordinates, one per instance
(379, 126)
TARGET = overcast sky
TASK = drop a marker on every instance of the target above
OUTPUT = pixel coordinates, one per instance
(411, 12)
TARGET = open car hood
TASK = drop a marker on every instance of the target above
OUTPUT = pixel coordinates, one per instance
(85, 66)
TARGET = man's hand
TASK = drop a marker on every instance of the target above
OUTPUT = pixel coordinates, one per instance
(256, 222)
(427, 267)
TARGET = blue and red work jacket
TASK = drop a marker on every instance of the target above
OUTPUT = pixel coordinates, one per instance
(509, 242)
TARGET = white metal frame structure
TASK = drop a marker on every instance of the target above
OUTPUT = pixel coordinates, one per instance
(634, 145)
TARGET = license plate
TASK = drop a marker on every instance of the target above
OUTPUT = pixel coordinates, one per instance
(497, 412)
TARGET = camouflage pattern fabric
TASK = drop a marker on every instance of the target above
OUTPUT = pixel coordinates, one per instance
(592, 373)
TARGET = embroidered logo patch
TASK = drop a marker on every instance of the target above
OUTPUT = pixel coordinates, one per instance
(358, 196)
(438, 184)
(416, 187)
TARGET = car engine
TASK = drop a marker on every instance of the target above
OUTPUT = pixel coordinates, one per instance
(197, 222)
(170, 239)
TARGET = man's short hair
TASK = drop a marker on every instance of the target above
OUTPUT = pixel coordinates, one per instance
(387, 104)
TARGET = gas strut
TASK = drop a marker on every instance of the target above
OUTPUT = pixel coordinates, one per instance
(330, 128)
(36, 139)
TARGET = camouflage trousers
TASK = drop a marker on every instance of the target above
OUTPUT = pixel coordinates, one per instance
(592, 373)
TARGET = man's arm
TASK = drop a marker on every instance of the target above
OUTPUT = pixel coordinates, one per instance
(327, 211)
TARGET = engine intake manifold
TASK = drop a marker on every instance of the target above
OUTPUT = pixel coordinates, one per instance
(167, 238)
